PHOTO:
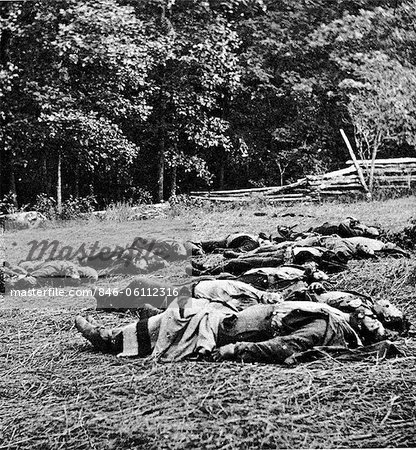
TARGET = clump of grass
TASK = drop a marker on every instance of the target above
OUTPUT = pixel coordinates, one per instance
(119, 212)
(382, 193)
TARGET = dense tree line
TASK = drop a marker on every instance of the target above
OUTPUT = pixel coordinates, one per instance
(118, 97)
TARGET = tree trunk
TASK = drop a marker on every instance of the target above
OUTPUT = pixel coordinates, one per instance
(173, 181)
(166, 28)
(279, 166)
(5, 37)
(45, 176)
(162, 147)
(161, 171)
(222, 174)
(5, 34)
(59, 184)
(118, 189)
(12, 181)
(76, 187)
(1, 173)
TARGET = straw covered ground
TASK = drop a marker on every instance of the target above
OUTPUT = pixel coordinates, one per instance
(57, 393)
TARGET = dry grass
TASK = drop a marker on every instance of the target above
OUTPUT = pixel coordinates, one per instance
(57, 393)
(210, 221)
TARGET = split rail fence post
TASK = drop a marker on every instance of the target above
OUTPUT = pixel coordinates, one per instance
(357, 166)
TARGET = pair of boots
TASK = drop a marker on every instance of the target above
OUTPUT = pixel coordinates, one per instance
(103, 339)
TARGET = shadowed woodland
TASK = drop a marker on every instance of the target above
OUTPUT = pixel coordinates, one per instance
(143, 100)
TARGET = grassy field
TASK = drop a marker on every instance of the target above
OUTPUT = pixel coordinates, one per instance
(57, 393)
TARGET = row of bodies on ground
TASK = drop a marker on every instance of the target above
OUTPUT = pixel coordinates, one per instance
(330, 246)
(286, 266)
(265, 300)
(284, 273)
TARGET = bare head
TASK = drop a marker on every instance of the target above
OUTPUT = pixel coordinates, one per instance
(313, 273)
(391, 316)
(369, 328)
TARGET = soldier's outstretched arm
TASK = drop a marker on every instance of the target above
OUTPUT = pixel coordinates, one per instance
(279, 348)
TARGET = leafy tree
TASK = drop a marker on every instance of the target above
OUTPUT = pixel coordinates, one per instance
(382, 106)
(195, 78)
(377, 75)
(81, 75)
(114, 96)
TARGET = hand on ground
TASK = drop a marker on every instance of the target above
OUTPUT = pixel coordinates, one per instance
(223, 353)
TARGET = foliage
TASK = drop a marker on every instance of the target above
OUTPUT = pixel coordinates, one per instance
(58, 105)
(77, 207)
(45, 205)
(72, 208)
(165, 95)
(139, 196)
(382, 105)
(8, 204)
(378, 77)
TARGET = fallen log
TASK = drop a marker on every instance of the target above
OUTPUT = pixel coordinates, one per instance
(23, 219)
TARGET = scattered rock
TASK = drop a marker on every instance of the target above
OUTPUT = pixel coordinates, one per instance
(27, 219)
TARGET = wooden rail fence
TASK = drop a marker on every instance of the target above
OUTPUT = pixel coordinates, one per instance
(388, 173)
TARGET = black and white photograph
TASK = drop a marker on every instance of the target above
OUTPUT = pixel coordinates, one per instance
(207, 224)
